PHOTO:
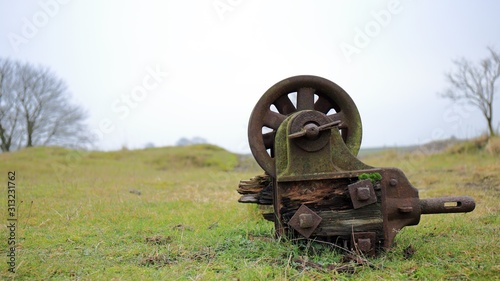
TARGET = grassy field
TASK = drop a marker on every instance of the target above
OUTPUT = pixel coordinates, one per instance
(172, 214)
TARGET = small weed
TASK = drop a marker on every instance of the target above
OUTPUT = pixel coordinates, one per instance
(373, 177)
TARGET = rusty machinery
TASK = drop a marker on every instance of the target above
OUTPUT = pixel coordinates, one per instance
(305, 133)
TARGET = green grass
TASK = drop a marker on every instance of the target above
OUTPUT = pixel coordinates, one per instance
(172, 214)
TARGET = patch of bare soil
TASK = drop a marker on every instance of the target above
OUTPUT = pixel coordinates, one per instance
(490, 182)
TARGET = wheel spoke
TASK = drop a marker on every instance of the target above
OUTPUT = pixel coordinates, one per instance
(339, 116)
(273, 119)
(284, 105)
(323, 105)
(269, 139)
(305, 98)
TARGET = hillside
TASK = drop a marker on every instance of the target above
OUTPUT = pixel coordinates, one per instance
(172, 214)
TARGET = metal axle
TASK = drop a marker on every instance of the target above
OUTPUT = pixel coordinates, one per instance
(445, 205)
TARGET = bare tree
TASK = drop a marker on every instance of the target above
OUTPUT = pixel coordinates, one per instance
(475, 84)
(9, 115)
(35, 109)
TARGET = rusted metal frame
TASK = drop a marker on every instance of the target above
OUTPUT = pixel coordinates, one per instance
(312, 151)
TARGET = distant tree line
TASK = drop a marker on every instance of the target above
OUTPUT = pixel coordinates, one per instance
(195, 140)
(35, 109)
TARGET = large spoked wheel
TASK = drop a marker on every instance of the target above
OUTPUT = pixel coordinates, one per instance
(294, 94)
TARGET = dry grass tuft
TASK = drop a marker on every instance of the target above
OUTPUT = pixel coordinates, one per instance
(159, 240)
(493, 146)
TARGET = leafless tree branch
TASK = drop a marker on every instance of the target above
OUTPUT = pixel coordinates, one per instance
(35, 109)
(475, 84)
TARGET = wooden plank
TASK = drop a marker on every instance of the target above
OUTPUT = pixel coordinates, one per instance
(345, 222)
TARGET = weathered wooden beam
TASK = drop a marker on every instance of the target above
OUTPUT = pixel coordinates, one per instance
(257, 190)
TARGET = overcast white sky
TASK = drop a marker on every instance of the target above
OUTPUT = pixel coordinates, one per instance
(156, 71)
